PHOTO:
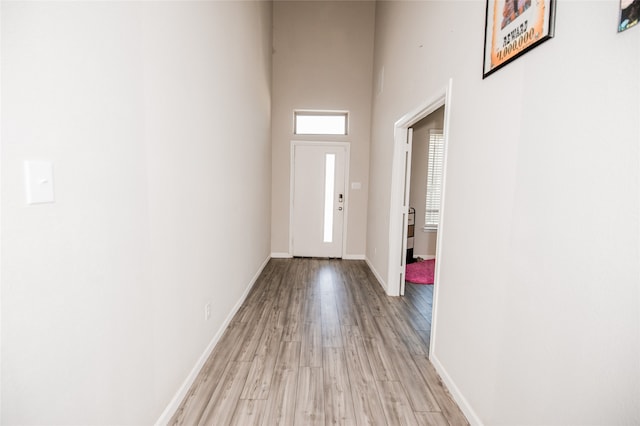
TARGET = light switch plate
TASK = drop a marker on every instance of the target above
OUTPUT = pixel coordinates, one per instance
(39, 181)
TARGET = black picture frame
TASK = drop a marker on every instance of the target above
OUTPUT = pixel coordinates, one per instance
(514, 27)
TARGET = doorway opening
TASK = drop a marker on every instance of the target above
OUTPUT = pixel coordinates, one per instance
(425, 175)
(401, 200)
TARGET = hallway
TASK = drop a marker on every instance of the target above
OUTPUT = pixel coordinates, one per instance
(318, 342)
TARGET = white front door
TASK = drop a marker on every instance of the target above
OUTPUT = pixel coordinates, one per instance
(318, 199)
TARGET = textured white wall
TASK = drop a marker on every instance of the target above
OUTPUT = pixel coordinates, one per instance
(538, 315)
(162, 198)
(323, 54)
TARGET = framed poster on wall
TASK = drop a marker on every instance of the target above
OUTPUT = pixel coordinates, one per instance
(512, 28)
(629, 14)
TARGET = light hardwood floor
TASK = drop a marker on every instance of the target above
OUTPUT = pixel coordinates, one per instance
(317, 342)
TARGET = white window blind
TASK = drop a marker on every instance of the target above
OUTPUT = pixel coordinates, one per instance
(434, 179)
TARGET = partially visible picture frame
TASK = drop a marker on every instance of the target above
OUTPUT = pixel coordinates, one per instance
(629, 14)
(513, 27)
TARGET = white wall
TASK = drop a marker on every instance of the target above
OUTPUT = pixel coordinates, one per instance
(538, 310)
(424, 241)
(323, 55)
(157, 118)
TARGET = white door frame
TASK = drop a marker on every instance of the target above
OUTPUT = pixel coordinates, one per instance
(405, 152)
(400, 181)
(347, 147)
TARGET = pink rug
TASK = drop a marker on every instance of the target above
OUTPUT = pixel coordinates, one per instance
(420, 272)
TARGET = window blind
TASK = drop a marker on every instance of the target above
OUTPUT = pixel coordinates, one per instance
(434, 179)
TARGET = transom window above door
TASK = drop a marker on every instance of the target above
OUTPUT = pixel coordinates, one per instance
(320, 122)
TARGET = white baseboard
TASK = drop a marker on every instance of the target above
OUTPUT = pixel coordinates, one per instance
(425, 256)
(345, 257)
(354, 257)
(173, 406)
(457, 396)
(281, 256)
(382, 282)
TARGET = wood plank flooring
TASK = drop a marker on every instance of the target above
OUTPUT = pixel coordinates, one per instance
(317, 342)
